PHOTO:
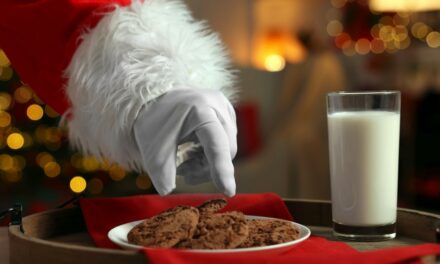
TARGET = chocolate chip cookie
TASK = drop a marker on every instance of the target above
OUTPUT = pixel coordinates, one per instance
(211, 206)
(218, 231)
(166, 229)
(269, 232)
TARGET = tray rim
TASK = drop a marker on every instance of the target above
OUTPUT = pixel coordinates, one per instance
(15, 232)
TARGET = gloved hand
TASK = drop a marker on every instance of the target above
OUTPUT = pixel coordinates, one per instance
(204, 117)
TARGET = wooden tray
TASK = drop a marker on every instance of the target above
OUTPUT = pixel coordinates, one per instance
(60, 236)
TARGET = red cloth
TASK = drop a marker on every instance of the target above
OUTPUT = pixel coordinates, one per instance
(41, 36)
(248, 137)
(102, 214)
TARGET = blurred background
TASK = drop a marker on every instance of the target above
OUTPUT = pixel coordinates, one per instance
(289, 54)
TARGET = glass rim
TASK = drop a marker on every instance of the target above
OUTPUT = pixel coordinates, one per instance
(372, 92)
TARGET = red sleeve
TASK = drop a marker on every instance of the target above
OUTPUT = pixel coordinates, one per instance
(40, 37)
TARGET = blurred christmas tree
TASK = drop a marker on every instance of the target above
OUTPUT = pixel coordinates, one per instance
(37, 167)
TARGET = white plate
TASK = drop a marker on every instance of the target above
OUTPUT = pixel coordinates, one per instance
(118, 235)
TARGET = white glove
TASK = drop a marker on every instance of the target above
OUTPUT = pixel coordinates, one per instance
(204, 117)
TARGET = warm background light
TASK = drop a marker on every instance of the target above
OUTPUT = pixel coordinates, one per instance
(5, 101)
(377, 46)
(362, 46)
(78, 184)
(5, 119)
(338, 3)
(23, 94)
(43, 158)
(274, 39)
(143, 182)
(90, 163)
(274, 62)
(348, 48)
(116, 173)
(404, 5)
(95, 186)
(52, 169)
(15, 141)
(34, 112)
(420, 30)
(6, 162)
(433, 39)
(334, 28)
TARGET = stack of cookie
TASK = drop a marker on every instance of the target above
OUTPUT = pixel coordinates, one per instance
(203, 227)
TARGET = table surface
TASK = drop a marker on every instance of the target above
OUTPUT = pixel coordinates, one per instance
(4, 245)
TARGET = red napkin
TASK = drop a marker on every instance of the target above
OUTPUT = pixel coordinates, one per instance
(102, 214)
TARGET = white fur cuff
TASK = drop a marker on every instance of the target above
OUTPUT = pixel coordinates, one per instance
(135, 54)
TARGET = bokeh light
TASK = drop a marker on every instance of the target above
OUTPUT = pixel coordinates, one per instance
(95, 186)
(116, 173)
(23, 94)
(433, 39)
(143, 182)
(342, 39)
(15, 141)
(5, 101)
(6, 162)
(386, 33)
(78, 184)
(401, 19)
(399, 33)
(375, 29)
(5, 119)
(334, 28)
(43, 158)
(348, 48)
(52, 169)
(52, 135)
(377, 46)
(90, 163)
(362, 46)
(404, 43)
(390, 46)
(274, 63)
(420, 30)
(338, 3)
(34, 112)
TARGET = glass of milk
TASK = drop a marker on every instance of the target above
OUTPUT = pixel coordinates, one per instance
(363, 130)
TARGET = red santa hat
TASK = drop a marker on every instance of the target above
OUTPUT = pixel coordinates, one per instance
(101, 61)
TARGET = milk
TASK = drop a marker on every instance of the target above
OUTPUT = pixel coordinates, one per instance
(364, 152)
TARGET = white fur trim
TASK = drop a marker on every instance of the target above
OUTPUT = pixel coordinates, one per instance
(135, 54)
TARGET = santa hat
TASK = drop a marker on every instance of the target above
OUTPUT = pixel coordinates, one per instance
(101, 61)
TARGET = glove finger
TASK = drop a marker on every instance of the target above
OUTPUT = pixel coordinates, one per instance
(230, 126)
(216, 148)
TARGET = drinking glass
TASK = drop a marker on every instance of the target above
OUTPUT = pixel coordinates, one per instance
(363, 130)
